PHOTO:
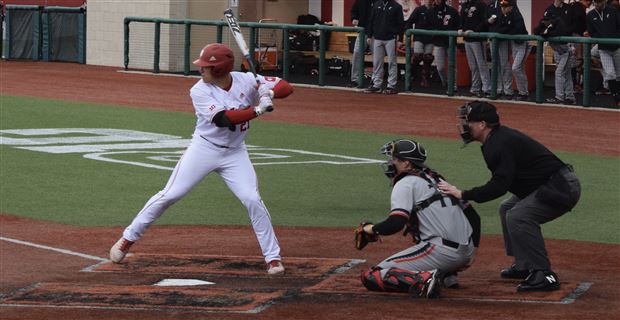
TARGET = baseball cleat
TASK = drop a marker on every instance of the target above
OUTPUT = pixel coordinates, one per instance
(428, 285)
(275, 267)
(540, 280)
(432, 285)
(119, 250)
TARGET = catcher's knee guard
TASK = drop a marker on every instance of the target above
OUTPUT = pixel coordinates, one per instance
(395, 280)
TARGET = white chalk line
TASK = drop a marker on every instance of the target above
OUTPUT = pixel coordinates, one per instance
(59, 250)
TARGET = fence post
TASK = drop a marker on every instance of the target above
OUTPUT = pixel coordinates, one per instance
(540, 65)
(285, 57)
(156, 46)
(46, 43)
(322, 47)
(126, 49)
(495, 67)
(407, 62)
(219, 32)
(360, 57)
(451, 64)
(186, 46)
(587, 64)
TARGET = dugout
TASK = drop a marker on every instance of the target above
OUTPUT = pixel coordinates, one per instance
(45, 33)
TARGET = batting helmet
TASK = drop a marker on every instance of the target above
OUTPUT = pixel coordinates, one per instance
(217, 56)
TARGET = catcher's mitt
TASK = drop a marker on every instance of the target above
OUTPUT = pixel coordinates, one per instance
(362, 238)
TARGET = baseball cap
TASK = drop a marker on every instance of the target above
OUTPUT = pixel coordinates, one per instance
(483, 111)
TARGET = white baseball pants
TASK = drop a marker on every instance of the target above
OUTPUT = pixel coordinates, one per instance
(234, 166)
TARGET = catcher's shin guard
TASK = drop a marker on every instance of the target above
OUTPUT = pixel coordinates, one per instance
(371, 279)
(398, 280)
(427, 70)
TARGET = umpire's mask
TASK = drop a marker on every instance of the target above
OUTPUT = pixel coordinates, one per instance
(475, 111)
(402, 149)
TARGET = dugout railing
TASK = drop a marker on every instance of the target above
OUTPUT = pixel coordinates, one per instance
(222, 26)
(494, 38)
(452, 35)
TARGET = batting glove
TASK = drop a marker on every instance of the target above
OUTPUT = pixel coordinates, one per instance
(264, 91)
(265, 105)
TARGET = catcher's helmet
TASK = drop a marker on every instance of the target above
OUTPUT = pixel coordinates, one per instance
(402, 149)
(218, 56)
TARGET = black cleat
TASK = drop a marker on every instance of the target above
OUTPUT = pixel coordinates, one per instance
(513, 273)
(373, 89)
(540, 280)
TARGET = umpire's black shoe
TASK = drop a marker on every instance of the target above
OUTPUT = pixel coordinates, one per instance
(540, 280)
(513, 273)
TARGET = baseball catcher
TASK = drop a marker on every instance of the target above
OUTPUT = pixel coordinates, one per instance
(445, 231)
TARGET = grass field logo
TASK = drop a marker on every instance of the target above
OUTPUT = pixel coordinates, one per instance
(147, 149)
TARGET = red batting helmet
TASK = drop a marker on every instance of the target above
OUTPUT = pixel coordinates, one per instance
(218, 56)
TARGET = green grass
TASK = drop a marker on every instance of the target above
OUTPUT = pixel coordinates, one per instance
(70, 189)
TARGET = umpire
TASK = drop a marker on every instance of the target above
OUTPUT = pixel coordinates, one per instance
(542, 186)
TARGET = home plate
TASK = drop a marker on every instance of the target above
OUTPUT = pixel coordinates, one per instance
(182, 282)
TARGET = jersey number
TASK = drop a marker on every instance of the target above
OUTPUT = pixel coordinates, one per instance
(244, 126)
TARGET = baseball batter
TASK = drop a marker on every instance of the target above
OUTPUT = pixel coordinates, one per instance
(224, 102)
(447, 231)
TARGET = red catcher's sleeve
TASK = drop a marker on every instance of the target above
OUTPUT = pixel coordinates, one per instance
(282, 89)
(240, 116)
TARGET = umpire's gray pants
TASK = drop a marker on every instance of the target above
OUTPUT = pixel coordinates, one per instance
(429, 255)
(504, 70)
(611, 64)
(563, 78)
(355, 66)
(521, 220)
(477, 61)
(381, 48)
(441, 61)
(520, 51)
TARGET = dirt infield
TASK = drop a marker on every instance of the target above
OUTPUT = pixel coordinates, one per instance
(59, 271)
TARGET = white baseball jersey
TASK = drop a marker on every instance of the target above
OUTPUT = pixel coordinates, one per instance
(210, 99)
(221, 150)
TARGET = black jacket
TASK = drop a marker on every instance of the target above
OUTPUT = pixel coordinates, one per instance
(361, 11)
(563, 13)
(386, 20)
(474, 18)
(606, 27)
(579, 18)
(493, 9)
(422, 20)
(512, 23)
(444, 17)
(518, 164)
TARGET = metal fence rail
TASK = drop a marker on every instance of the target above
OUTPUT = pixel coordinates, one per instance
(286, 28)
(253, 26)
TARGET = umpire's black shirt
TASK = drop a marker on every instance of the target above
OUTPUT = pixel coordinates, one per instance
(605, 24)
(386, 20)
(518, 164)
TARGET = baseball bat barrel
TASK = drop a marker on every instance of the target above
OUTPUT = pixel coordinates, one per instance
(233, 25)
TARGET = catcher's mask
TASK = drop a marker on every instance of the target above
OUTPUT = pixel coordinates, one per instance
(473, 112)
(404, 150)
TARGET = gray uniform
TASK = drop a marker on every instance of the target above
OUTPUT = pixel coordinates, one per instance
(444, 230)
